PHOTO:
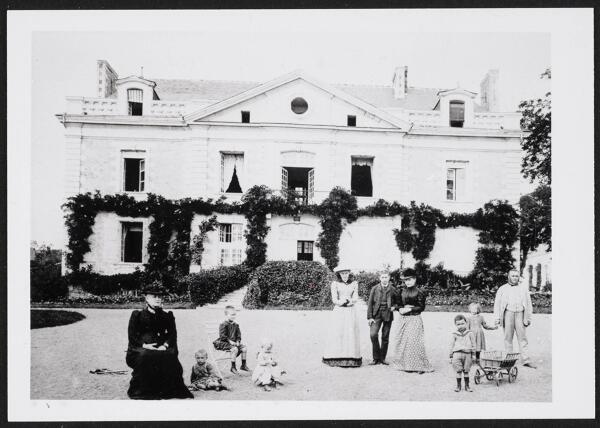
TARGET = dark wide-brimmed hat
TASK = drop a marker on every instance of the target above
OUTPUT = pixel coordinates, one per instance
(408, 273)
(155, 288)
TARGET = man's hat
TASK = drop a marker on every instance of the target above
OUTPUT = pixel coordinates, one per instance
(155, 288)
(408, 273)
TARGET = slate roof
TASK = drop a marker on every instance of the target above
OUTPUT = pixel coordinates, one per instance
(219, 90)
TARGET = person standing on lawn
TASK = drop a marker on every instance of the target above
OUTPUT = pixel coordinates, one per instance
(230, 339)
(380, 316)
(343, 344)
(152, 351)
(512, 310)
(409, 343)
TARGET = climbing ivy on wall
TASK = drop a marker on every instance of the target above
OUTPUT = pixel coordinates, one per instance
(206, 226)
(340, 205)
(169, 249)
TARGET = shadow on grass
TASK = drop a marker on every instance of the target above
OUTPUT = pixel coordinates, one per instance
(53, 318)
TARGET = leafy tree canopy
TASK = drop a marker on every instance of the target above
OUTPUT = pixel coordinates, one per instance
(536, 162)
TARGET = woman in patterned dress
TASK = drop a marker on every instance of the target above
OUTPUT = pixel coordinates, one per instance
(408, 347)
(343, 345)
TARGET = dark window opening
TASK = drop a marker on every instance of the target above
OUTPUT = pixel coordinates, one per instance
(298, 183)
(305, 250)
(135, 175)
(245, 117)
(351, 120)
(131, 242)
(361, 183)
(135, 109)
(457, 114)
(231, 167)
(135, 98)
(299, 105)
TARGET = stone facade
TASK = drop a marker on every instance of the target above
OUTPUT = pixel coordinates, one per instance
(183, 153)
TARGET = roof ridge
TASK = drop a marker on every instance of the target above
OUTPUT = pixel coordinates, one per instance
(215, 80)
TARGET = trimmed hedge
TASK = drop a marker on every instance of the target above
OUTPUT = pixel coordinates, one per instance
(290, 285)
(208, 286)
(46, 282)
(102, 285)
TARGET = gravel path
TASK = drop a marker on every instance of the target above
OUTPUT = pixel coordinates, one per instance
(63, 356)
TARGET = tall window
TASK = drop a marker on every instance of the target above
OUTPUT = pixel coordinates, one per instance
(298, 183)
(230, 238)
(135, 99)
(457, 114)
(131, 242)
(361, 182)
(232, 169)
(134, 174)
(305, 250)
(456, 180)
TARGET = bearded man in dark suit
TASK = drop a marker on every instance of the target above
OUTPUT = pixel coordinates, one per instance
(380, 315)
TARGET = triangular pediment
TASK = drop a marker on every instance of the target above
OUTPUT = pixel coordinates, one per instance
(271, 102)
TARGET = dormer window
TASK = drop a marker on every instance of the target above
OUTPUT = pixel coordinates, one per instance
(457, 114)
(351, 120)
(135, 99)
(245, 116)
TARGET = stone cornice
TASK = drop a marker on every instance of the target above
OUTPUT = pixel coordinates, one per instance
(121, 120)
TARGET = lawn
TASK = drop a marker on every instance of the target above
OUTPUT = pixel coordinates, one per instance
(100, 341)
(53, 318)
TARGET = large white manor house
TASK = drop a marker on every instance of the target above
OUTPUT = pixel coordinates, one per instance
(208, 138)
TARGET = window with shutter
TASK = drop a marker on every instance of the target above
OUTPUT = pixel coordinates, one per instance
(457, 114)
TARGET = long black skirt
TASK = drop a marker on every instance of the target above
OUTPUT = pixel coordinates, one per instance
(157, 375)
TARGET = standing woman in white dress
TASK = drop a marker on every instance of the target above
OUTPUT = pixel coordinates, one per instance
(343, 343)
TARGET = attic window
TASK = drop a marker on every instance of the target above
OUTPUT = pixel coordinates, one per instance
(245, 117)
(457, 114)
(351, 120)
(135, 99)
(299, 105)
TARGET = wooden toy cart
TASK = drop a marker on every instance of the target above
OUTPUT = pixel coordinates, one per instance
(494, 365)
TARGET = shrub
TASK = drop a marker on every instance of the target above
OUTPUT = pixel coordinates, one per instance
(208, 286)
(366, 281)
(101, 285)
(290, 284)
(46, 282)
(53, 318)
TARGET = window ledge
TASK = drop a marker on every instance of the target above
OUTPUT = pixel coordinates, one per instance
(129, 263)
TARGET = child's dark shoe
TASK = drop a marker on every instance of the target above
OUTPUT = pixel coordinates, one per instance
(234, 370)
(457, 389)
(468, 388)
(245, 368)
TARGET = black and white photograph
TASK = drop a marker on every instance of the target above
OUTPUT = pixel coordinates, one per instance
(234, 213)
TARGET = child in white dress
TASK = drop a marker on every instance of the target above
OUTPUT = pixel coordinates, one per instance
(267, 372)
(476, 323)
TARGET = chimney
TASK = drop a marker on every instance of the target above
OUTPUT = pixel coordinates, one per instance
(400, 82)
(106, 79)
(489, 91)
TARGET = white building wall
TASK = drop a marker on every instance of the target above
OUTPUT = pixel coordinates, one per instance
(105, 244)
(455, 248)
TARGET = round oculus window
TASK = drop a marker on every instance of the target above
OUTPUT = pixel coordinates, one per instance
(299, 105)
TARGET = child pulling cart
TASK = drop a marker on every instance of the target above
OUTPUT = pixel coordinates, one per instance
(494, 365)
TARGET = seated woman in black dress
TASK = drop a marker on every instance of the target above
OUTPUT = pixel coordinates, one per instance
(152, 351)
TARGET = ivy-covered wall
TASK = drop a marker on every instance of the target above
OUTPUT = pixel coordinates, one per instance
(169, 248)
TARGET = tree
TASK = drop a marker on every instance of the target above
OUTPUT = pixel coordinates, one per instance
(536, 221)
(536, 162)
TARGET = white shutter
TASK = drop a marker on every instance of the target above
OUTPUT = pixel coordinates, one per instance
(460, 184)
(311, 184)
(284, 181)
(142, 175)
(222, 172)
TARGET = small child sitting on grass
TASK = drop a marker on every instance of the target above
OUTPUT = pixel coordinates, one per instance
(267, 372)
(230, 339)
(462, 351)
(204, 376)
